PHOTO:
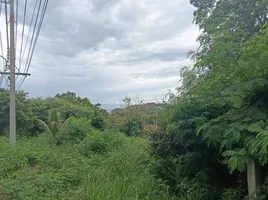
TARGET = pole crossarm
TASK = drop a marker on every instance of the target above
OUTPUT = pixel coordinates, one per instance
(17, 73)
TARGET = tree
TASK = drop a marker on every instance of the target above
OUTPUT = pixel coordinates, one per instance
(241, 127)
(127, 101)
(24, 115)
(229, 78)
(54, 124)
(72, 97)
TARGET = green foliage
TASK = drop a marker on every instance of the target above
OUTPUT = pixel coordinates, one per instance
(24, 114)
(70, 105)
(99, 119)
(74, 130)
(237, 159)
(189, 163)
(71, 97)
(133, 119)
(221, 112)
(54, 124)
(216, 124)
(102, 142)
(35, 169)
(131, 128)
(95, 142)
(67, 106)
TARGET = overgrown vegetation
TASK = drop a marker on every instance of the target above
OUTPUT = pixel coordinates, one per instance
(218, 124)
(103, 166)
(200, 145)
(68, 149)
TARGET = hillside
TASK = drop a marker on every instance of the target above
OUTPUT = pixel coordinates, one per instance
(146, 108)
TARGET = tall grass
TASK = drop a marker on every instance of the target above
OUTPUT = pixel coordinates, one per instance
(104, 166)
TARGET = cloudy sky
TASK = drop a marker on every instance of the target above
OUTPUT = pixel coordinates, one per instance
(107, 49)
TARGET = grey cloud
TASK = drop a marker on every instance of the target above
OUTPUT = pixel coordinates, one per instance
(163, 73)
(69, 35)
(71, 29)
(99, 5)
(169, 55)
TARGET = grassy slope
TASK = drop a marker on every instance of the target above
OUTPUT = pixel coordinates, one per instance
(104, 166)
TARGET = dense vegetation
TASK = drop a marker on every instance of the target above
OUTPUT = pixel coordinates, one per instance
(69, 148)
(103, 166)
(217, 126)
(201, 145)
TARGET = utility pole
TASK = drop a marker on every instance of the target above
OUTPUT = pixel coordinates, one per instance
(12, 105)
(10, 61)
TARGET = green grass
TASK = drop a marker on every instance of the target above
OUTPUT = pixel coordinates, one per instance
(103, 166)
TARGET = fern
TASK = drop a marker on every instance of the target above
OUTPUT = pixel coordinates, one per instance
(259, 147)
(236, 159)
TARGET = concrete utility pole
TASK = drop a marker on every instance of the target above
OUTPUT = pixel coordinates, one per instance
(12, 76)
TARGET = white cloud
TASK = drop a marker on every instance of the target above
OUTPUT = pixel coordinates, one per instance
(106, 49)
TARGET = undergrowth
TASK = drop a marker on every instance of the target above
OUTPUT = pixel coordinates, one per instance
(103, 166)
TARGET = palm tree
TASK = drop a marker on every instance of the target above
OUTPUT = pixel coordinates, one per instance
(54, 123)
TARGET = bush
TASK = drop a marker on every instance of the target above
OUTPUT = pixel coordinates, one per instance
(94, 142)
(131, 128)
(74, 130)
(101, 142)
(35, 169)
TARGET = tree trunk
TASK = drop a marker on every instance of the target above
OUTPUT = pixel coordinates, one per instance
(253, 176)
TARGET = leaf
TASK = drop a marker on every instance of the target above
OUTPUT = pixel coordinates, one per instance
(255, 128)
(44, 126)
(236, 159)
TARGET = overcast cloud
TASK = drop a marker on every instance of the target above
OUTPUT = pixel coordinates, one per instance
(107, 49)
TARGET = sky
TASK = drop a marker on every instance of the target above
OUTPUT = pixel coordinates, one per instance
(108, 49)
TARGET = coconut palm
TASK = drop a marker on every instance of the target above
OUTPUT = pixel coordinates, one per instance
(54, 123)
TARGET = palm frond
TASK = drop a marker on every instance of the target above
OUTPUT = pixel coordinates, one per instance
(44, 126)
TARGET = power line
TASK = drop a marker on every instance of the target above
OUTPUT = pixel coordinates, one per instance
(32, 38)
(6, 12)
(29, 31)
(38, 32)
(22, 34)
(7, 36)
(13, 47)
(37, 28)
(1, 46)
(5, 21)
(17, 15)
(32, 19)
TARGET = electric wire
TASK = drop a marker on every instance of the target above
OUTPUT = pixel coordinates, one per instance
(22, 34)
(6, 12)
(1, 46)
(28, 35)
(38, 32)
(32, 38)
(32, 19)
(25, 44)
(31, 50)
(7, 36)
(16, 34)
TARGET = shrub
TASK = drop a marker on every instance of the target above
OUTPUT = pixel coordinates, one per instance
(34, 169)
(24, 114)
(74, 130)
(94, 142)
(131, 128)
